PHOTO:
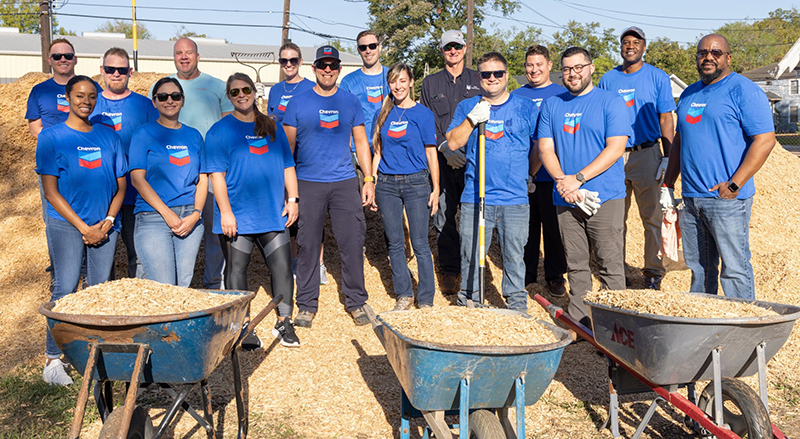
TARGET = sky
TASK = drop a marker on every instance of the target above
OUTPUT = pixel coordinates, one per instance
(248, 21)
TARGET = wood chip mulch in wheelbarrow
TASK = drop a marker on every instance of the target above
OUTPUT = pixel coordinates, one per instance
(677, 304)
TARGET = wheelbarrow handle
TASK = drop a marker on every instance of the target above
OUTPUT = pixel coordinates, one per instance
(377, 326)
(251, 326)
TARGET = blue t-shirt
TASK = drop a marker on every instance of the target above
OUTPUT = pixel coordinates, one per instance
(48, 102)
(281, 93)
(370, 90)
(324, 125)
(647, 94)
(254, 167)
(579, 126)
(87, 166)
(717, 123)
(538, 95)
(404, 135)
(205, 100)
(172, 160)
(509, 131)
(124, 116)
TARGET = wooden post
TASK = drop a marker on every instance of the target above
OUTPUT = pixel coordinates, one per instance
(45, 32)
(470, 19)
(284, 33)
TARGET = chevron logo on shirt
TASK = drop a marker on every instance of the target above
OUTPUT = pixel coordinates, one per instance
(695, 113)
(629, 99)
(282, 104)
(62, 104)
(494, 129)
(258, 145)
(114, 122)
(398, 129)
(89, 159)
(179, 158)
(375, 95)
(572, 122)
(329, 121)
(538, 102)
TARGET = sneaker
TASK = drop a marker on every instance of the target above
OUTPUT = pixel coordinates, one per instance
(557, 289)
(55, 374)
(403, 304)
(294, 268)
(360, 317)
(652, 282)
(251, 342)
(284, 330)
(425, 305)
(304, 319)
(323, 274)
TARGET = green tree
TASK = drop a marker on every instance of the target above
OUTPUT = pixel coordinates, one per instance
(25, 16)
(601, 44)
(762, 42)
(125, 27)
(672, 58)
(512, 44)
(342, 47)
(182, 32)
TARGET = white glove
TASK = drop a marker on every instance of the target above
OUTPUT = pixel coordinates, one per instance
(456, 159)
(590, 202)
(667, 199)
(531, 185)
(662, 168)
(480, 113)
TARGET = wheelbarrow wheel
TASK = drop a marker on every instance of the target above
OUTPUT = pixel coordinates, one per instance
(141, 424)
(484, 424)
(742, 409)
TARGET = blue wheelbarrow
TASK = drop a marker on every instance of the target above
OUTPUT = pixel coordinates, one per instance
(175, 351)
(478, 383)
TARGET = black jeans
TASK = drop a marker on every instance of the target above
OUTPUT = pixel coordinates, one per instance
(448, 241)
(544, 221)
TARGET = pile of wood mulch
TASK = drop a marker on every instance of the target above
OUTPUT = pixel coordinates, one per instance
(677, 304)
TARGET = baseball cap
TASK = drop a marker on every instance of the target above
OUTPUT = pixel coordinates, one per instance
(326, 52)
(633, 30)
(452, 36)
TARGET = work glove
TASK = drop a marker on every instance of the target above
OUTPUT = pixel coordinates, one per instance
(480, 113)
(662, 168)
(590, 202)
(456, 159)
(667, 199)
(531, 185)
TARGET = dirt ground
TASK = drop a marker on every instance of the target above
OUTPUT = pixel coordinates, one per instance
(339, 382)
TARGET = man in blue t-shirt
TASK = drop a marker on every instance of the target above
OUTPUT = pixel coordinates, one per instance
(319, 124)
(124, 111)
(510, 121)
(544, 220)
(647, 92)
(724, 135)
(582, 136)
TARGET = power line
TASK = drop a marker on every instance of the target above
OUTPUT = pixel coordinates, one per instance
(542, 15)
(657, 16)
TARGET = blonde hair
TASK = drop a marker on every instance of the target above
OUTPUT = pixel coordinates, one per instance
(388, 102)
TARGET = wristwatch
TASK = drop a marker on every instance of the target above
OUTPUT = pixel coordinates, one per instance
(733, 187)
(293, 199)
(579, 176)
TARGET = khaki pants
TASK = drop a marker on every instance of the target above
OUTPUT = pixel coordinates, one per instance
(640, 171)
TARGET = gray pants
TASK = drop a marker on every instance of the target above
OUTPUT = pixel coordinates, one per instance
(599, 235)
(640, 171)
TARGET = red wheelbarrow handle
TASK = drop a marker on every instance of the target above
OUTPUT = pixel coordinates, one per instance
(255, 321)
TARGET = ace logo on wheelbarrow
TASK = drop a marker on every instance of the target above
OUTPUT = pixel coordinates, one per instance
(622, 336)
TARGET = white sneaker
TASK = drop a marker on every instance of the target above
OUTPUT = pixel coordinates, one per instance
(323, 274)
(54, 373)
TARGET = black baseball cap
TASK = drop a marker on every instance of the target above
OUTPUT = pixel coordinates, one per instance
(327, 52)
(633, 30)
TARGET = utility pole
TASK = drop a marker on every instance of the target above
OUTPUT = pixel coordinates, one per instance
(45, 11)
(284, 32)
(470, 17)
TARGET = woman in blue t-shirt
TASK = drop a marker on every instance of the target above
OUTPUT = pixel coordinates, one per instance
(167, 172)
(251, 167)
(83, 176)
(404, 139)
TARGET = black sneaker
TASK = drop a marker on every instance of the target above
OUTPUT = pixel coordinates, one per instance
(284, 330)
(251, 342)
(653, 283)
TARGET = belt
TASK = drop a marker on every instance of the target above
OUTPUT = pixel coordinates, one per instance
(642, 146)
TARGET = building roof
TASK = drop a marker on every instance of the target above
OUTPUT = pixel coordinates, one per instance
(12, 43)
(764, 73)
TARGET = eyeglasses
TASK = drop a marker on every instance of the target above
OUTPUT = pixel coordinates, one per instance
(285, 61)
(322, 65)
(57, 56)
(577, 68)
(110, 70)
(175, 95)
(363, 47)
(716, 53)
(235, 91)
(449, 46)
(496, 73)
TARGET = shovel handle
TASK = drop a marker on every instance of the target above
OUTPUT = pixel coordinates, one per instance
(251, 326)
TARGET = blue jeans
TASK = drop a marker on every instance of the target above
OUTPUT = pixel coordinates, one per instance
(714, 228)
(166, 257)
(68, 250)
(511, 223)
(412, 191)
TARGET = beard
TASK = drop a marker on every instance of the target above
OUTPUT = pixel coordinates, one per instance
(580, 87)
(707, 78)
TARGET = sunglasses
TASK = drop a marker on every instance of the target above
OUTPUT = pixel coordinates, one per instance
(496, 73)
(716, 53)
(57, 56)
(447, 47)
(363, 47)
(235, 91)
(110, 70)
(175, 95)
(577, 68)
(322, 65)
(286, 61)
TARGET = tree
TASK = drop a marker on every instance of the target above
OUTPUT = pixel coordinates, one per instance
(25, 16)
(762, 42)
(125, 27)
(512, 44)
(670, 57)
(344, 48)
(601, 45)
(182, 32)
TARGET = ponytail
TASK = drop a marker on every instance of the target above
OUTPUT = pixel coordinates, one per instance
(386, 107)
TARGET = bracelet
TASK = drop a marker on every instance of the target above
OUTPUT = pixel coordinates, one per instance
(369, 178)
(198, 211)
(110, 218)
(293, 199)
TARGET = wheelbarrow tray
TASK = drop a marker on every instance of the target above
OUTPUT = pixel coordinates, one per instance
(185, 347)
(431, 373)
(677, 350)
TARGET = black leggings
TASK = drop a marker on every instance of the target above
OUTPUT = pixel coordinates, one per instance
(277, 253)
